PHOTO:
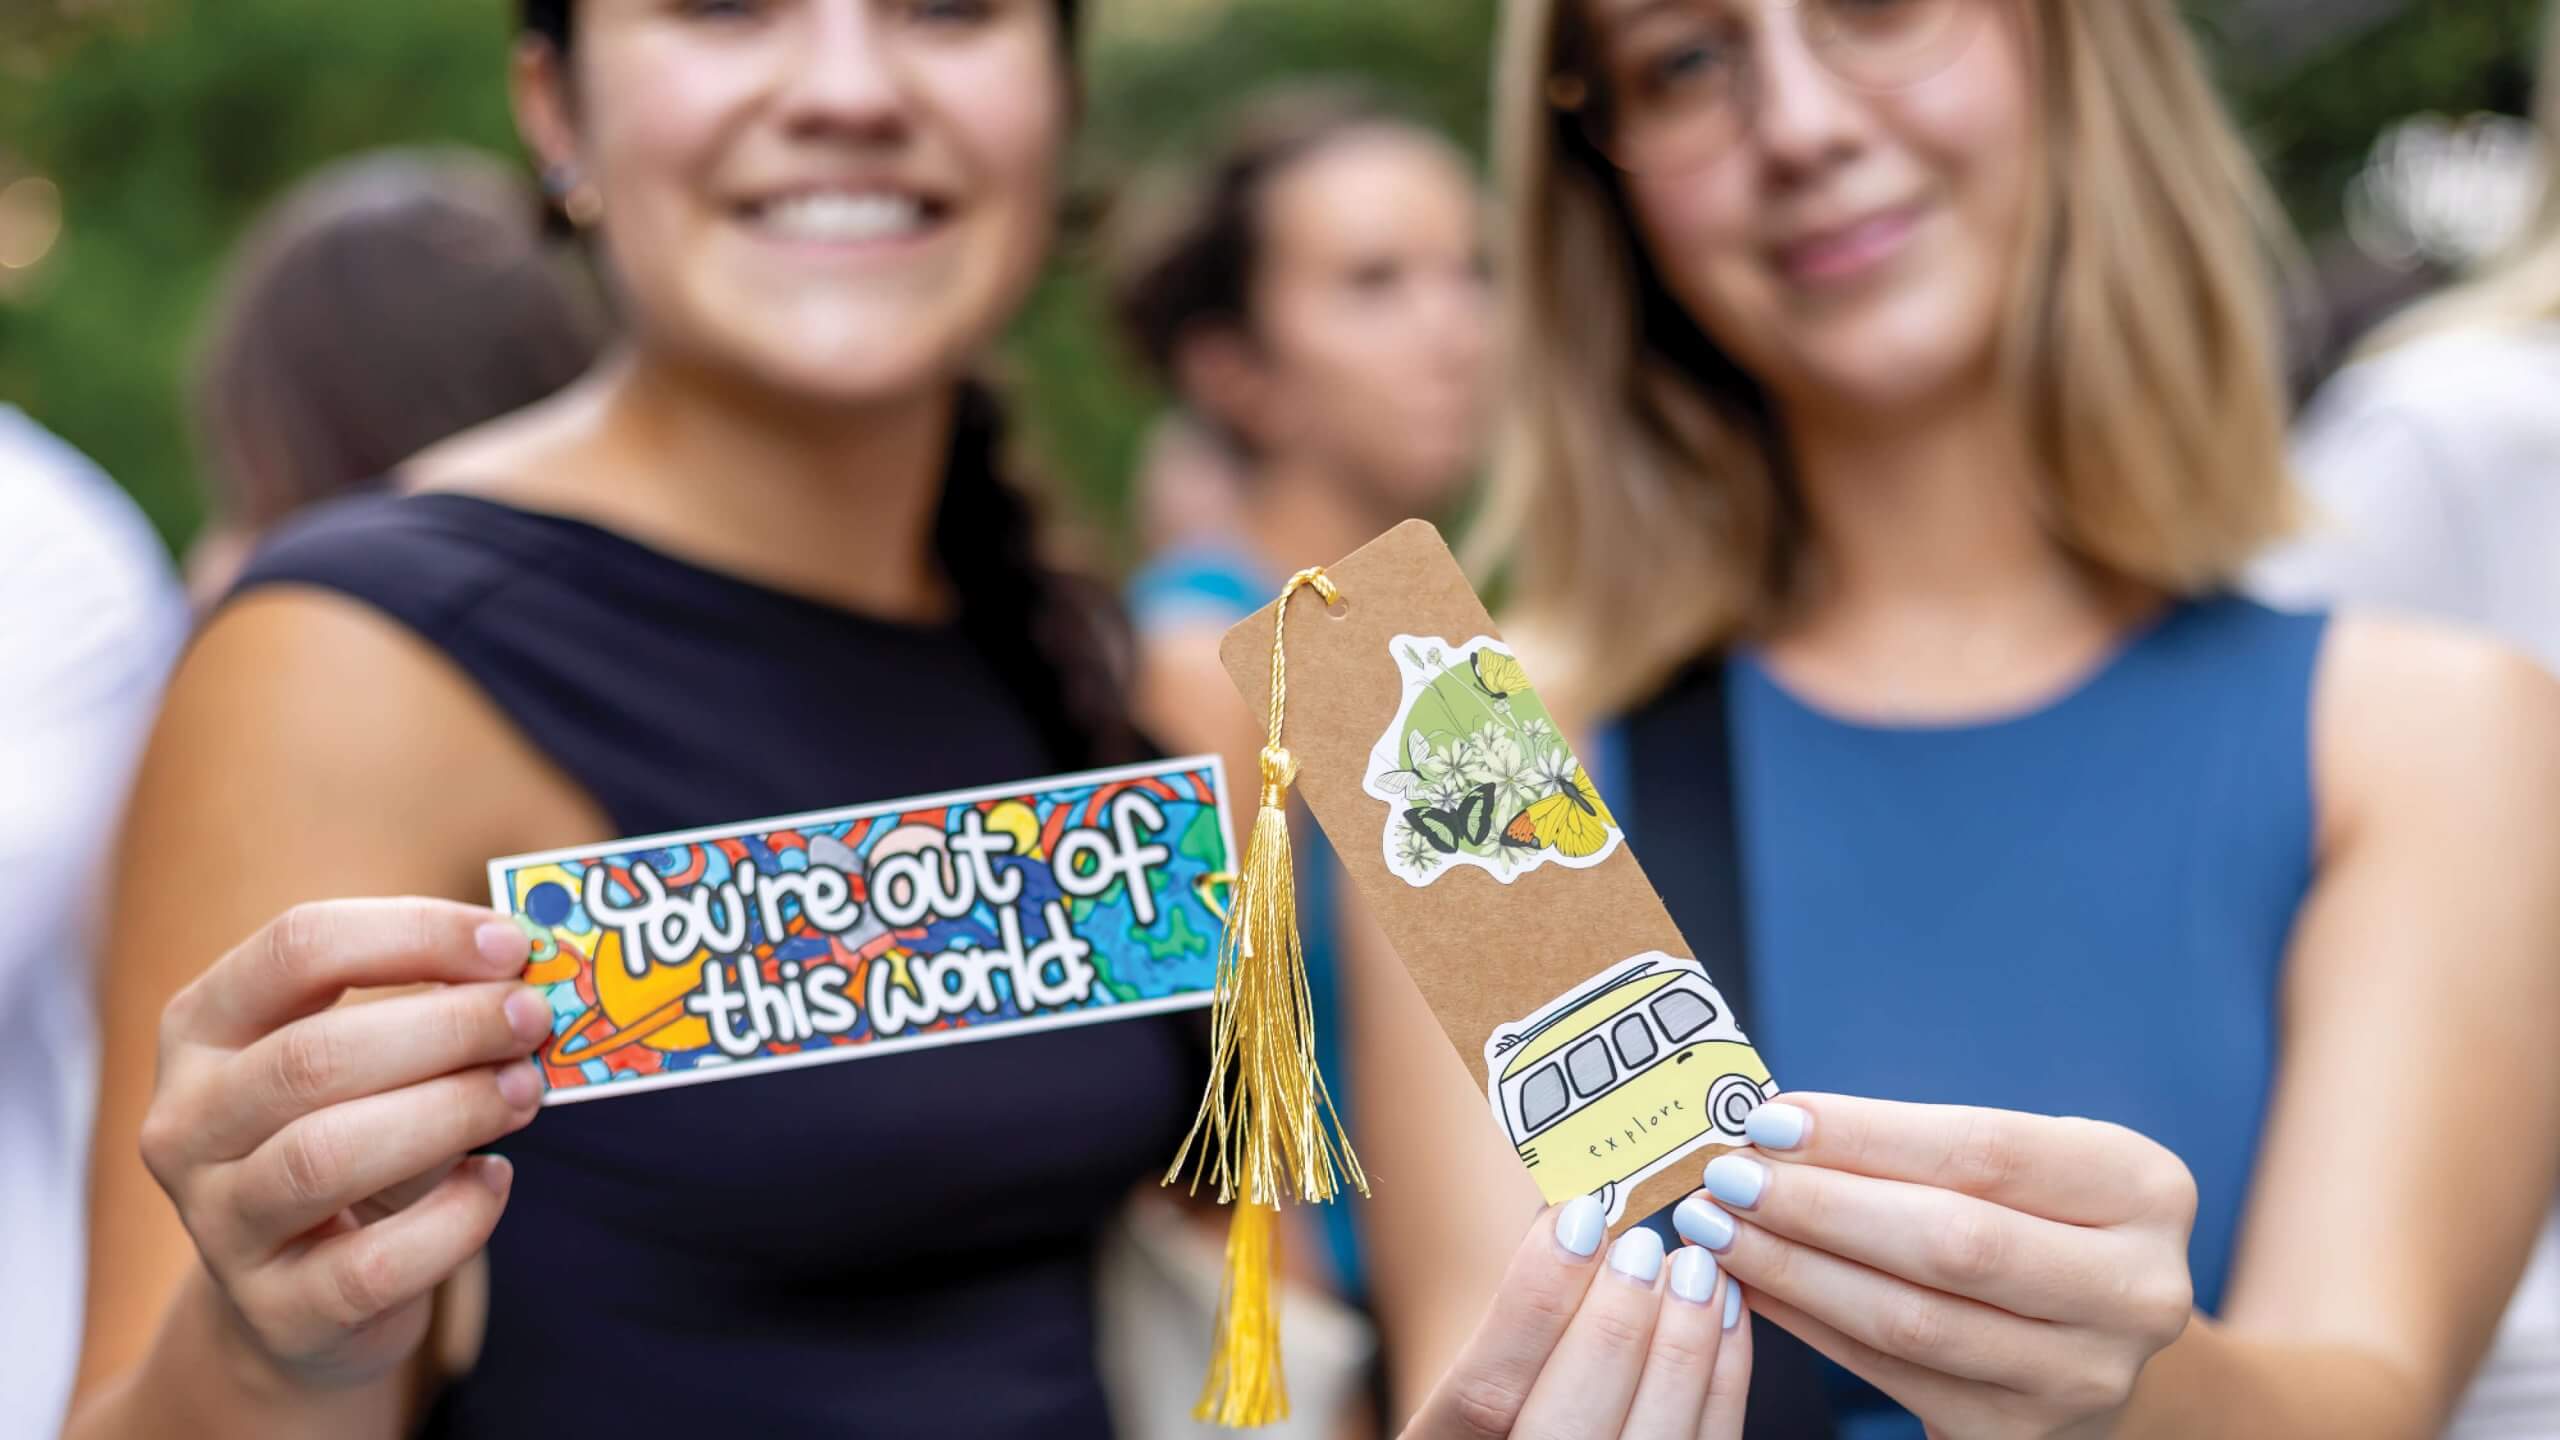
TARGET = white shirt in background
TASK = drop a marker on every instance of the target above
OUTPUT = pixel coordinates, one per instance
(90, 621)
(2434, 469)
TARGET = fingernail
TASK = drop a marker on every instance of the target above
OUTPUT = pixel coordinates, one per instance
(1732, 1306)
(1737, 1180)
(529, 1015)
(498, 1173)
(1777, 1127)
(503, 945)
(1700, 1223)
(518, 1085)
(1693, 1275)
(1637, 1255)
(1580, 1224)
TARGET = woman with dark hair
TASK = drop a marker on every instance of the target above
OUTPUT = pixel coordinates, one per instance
(1313, 294)
(762, 557)
(384, 304)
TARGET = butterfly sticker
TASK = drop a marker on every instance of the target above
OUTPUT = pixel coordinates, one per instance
(1471, 744)
(1467, 823)
(1572, 822)
(1425, 770)
(1499, 675)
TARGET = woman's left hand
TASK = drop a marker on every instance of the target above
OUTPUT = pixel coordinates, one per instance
(1998, 1274)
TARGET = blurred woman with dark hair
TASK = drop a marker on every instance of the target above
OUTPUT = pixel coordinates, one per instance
(384, 304)
(1313, 294)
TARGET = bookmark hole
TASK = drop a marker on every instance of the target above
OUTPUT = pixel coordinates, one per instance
(1339, 608)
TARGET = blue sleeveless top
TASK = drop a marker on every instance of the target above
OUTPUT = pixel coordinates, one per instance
(2078, 910)
(898, 1247)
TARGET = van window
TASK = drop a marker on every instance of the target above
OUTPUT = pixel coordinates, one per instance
(1682, 1014)
(1635, 1041)
(1588, 1064)
(1542, 1097)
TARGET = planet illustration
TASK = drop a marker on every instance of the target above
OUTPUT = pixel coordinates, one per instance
(645, 1009)
(1017, 820)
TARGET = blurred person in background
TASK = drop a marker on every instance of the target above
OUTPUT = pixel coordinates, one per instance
(2434, 467)
(1894, 406)
(1188, 492)
(763, 556)
(90, 619)
(1315, 298)
(1314, 295)
(387, 302)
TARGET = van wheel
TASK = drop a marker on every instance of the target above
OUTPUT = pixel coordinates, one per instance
(1608, 1195)
(1731, 1100)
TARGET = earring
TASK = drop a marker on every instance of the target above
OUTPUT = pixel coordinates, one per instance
(577, 199)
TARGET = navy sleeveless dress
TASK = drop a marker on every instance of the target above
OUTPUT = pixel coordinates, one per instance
(2078, 910)
(897, 1247)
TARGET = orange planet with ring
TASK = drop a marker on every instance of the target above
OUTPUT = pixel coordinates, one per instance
(644, 1009)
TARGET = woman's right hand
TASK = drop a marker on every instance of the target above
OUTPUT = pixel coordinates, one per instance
(1592, 1343)
(318, 1153)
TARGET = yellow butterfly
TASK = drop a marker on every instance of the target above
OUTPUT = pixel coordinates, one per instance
(1573, 821)
(1499, 675)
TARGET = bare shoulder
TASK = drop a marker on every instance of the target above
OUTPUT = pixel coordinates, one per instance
(2413, 718)
(303, 702)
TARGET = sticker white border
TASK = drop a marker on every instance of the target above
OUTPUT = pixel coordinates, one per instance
(1388, 756)
(726, 1069)
(1725, 1028)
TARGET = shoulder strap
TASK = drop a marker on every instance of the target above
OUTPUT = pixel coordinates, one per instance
(1674, 793)
(1680, 817)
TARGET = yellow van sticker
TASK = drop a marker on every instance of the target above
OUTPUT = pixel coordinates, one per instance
(1622, 1077)
(1474, 772)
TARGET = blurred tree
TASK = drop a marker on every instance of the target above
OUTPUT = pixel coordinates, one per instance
(166, 130)
(167, 124)
(2313, 114)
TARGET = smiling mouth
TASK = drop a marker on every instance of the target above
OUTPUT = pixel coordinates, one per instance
(1849, 251)
(844, 217)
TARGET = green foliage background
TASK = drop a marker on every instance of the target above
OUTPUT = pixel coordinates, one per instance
(169, 124)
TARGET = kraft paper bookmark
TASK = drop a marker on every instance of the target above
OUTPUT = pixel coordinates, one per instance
(1500, 875)
(844, 934)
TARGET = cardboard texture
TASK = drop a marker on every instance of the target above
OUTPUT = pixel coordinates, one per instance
(1540, 966)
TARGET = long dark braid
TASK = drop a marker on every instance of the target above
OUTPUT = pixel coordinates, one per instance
(1058, 640)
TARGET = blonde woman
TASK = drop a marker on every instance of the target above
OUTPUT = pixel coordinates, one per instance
(2434, 462)
(1897, 375)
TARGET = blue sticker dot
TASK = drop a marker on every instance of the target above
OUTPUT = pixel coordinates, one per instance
(549, 902)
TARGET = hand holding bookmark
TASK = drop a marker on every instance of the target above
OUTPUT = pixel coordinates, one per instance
(1997, 1273)
(1623, 1341)
(320, 1154)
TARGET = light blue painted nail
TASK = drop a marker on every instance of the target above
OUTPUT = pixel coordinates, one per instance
(1777, 1127)
(1693, 1275)
(1737, 1180)
(1580, 1224)
(1637, 1255)
(1732, 1306)
(1701, 1223)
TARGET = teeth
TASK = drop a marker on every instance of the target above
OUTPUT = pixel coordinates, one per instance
(838, 217)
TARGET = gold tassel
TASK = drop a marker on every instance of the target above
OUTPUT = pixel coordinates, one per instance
(1267, 1129)
(1245, 1385)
